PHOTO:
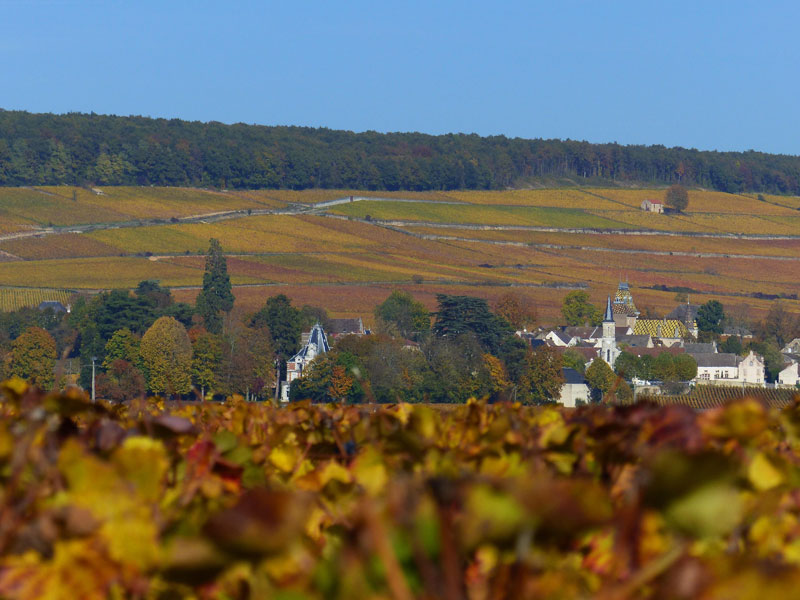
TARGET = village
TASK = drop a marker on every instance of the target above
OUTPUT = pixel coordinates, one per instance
(624, 336)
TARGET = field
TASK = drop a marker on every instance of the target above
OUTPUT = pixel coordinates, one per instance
(15, 298)
(345, 258)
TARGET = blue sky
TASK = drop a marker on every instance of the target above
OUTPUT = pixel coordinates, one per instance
(703, 74)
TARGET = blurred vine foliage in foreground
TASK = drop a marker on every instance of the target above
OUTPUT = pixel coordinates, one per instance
(241, 500)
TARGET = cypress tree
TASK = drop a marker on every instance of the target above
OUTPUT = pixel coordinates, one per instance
(216, 295)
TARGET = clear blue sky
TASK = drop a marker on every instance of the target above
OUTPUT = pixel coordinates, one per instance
(705, 74)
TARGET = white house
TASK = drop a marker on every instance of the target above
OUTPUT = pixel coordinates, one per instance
(559, 339)
(713, 367)
(316, 344)
(751, 369)
(729, 369)
(654, 206)
(790, 376)
(574, 388)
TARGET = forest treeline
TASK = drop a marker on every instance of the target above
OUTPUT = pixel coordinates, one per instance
(81, 149)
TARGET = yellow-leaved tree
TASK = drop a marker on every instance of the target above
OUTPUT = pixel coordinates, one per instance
(33, 357)
(166, 354)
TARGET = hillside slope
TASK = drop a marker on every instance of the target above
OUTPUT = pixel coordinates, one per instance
(348, 256)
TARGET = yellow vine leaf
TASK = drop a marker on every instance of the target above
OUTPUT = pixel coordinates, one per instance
(763, 474)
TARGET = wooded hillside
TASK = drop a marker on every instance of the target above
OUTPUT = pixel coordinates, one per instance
(78, 149)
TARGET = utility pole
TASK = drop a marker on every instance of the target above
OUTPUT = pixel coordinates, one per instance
(94, 359)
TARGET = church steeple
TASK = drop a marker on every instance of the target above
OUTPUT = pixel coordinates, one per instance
(608, 344)
(609, 313)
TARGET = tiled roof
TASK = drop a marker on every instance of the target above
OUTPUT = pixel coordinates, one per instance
(54, 304)
(623, 301)
(634, 340)
(345, 326)
(572, 376)
(716, 359)
(654, 352)
(624, 309)
(588, 352)
(562, 336)
(709, 348)
(667, 328)
(317, 344)
(584, 332)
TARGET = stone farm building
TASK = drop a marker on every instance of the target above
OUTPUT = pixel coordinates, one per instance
(654, 206)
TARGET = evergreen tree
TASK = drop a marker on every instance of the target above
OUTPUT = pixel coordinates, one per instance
(150, 288)
(284, 322)
(732, 345)
(465, 314)
(216, 295)
(710, 316)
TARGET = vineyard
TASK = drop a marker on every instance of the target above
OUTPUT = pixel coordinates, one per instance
(15, 298)
(319, 254)
(242, 500)
(65, 206)
(610, 241)
(533, 216)
(703, 397)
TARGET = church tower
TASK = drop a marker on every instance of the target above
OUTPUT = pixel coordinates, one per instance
(608, 348)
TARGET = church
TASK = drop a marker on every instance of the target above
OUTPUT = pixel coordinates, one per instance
(622, 324)
(609, 351)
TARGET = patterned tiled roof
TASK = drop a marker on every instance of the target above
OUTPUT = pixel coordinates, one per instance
(623, 301)
(624, 309)
(666, 328)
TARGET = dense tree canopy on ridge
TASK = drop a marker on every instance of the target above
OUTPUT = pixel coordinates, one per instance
(77, 149)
